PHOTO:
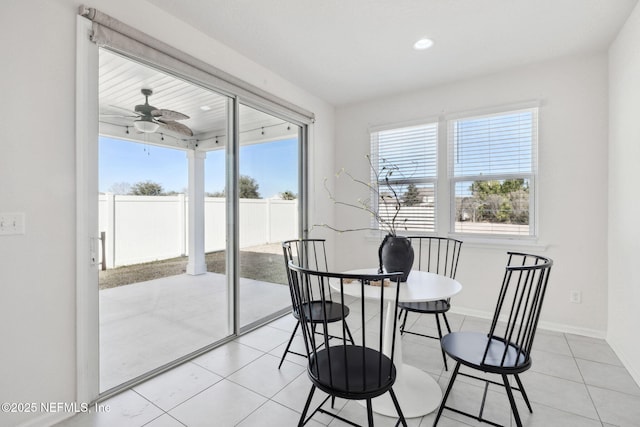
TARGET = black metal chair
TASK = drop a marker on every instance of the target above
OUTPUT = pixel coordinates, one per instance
(311, 253)
(506, 349)
(348, 371)
(436, 255)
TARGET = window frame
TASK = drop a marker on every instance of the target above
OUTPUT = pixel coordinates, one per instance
(444, 181)
(404, 181)
(531, 176)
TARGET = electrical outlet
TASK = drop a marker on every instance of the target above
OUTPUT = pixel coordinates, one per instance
(575, 297)
(11, 223)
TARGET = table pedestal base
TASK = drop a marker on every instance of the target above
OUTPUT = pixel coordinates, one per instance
(417, 392)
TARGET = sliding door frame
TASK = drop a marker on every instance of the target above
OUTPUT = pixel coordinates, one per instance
(87, 239)
(87, 306)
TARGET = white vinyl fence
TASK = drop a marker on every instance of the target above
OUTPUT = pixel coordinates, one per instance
(148, 228)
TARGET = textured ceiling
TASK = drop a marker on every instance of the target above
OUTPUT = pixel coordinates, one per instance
(346, 51)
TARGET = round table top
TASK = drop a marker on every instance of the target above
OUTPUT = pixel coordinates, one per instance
(420, 286)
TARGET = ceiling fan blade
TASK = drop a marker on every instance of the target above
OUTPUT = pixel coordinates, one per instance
(119, 116)
(135, 113)
(168, 115)
(176, 127)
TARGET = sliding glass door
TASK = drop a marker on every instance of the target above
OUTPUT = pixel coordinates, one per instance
(269, 211)
(196, 195)
(164, 288)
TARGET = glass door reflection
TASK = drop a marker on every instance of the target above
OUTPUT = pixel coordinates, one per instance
(269, 212)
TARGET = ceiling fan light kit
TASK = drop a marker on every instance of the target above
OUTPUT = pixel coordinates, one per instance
(146, 125)
(149, 118)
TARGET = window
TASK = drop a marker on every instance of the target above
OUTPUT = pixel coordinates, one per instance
(404, 164)
(493, 168)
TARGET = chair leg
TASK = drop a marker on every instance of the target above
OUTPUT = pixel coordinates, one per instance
(446, 394)
(306, 406)
(286, 350)
(369, 413)
(349, 333)
(444, 356)
(438, 325)
(524, 393)
(404, 321)
(512, 401)
(446, 322)
(397, 405)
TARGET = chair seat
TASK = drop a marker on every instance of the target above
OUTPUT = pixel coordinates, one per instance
(468, 348)
(440, 306)
(354, 372)
(314, 311)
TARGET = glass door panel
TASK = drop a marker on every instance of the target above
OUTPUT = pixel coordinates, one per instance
(269, 211)
(164, 292)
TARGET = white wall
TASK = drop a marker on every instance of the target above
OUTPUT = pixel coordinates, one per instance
(572, 182)
(37, 171)
(624, 204)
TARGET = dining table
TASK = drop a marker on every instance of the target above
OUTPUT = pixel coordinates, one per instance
(418, 392)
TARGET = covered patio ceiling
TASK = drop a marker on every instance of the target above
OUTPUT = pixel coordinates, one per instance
(121, 81)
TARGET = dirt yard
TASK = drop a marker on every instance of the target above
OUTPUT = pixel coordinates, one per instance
(259, 263)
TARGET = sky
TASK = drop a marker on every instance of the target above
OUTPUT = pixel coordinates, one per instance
(273, 165)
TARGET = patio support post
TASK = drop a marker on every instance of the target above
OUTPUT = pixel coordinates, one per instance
(195, 235)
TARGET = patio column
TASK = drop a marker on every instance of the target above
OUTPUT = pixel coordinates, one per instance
(195, 234)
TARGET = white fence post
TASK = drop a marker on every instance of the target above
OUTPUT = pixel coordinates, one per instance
(268, 220)
(182, 224)
(110, 244)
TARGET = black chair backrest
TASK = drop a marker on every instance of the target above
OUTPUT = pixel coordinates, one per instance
(436, 254)
(518, 308)
(369, 336)
(307, 253)
(310, 254)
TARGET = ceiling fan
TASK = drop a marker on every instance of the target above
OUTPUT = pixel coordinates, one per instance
(149, 118)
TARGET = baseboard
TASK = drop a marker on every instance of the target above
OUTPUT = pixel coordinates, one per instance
(471, 312)
(550, 326)
(47, 420)
(568, 329)
(626, 362)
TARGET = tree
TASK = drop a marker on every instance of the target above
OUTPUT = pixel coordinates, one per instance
(288, 195)
(147, 188)
(119, 188)
(217, 194)
(248, 188)
(411, 196)
(500, 201)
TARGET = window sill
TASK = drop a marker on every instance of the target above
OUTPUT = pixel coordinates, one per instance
(473, 241)
(516, 243)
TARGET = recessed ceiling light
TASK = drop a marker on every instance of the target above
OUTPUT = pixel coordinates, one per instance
(205, 108)
(423, 44)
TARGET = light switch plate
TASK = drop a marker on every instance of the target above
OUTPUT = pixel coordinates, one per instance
(575, 297)
(11, 223)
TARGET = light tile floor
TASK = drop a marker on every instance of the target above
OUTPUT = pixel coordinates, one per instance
(148, 324)
(574, 381)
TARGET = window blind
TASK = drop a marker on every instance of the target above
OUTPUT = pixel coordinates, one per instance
(493, 165)
(404, 162)
(494, 145)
